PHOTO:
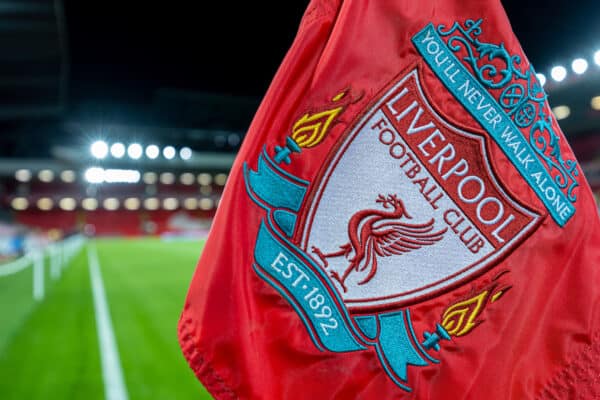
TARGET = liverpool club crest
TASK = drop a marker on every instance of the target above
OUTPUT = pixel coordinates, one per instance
(406, 207)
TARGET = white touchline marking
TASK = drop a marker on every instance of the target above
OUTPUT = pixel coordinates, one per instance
(112, 374)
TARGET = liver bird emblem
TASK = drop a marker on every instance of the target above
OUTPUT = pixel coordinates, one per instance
(379, 233)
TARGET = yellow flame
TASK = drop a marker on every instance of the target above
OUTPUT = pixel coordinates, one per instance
(460, 318)
(338, 96)
(310, 129)
(497, 295)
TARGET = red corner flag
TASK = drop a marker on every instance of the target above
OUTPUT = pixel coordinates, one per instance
(405, 220)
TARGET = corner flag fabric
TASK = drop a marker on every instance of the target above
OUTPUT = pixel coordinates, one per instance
(404, 220)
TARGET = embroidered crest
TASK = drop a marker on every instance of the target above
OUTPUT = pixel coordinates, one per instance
(406, 207)
(442, 199)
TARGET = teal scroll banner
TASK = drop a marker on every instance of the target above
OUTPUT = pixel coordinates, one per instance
(308, 289)
(484, 108)
(301, 286)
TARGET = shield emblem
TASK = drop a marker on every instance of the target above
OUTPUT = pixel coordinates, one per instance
(409, 205)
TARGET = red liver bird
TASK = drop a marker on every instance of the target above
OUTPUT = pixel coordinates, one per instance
(379, 233)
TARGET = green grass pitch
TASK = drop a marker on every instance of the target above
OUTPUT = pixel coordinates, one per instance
(49, 350)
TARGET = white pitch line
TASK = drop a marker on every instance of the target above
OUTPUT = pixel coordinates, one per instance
(112, 374)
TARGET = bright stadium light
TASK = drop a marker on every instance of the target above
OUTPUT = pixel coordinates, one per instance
(45, 203)
(94, 175)
(595, 103)
(132, 203)
(99, 149)
(111, 204)
(185, 153)
(117, 150)
(89, 204)
(134, 151)
(597, 57)
(23, 175)
(19, 203)
(101, 175)
(46, 175)
(150, 177)
(190, 203)
(204, 179)
(206, 204)
(561, 112)
(122, 176)
(187, 178)
(151, 203)
(220, 179)
(558, 73)
(167, 178)
(67, 204)
(169, 152)
(579, 66)
(170, 203)
(68, 176)
(541, 78)
(152, 151)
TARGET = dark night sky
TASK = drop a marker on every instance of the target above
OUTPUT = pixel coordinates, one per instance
(128, 49)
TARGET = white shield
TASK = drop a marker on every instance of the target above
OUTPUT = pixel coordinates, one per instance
(362, 171)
